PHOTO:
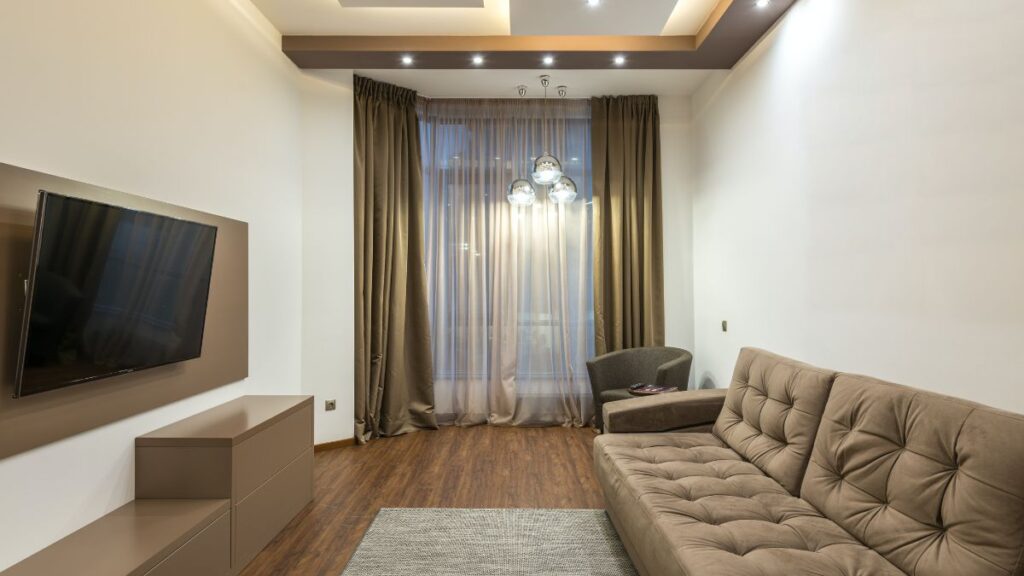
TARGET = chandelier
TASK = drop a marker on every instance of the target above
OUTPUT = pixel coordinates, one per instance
(547, 170)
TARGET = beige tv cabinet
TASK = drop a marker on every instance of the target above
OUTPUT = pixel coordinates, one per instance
(210, 492)
(255, 451)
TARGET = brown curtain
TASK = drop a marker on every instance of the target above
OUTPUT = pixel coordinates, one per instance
(629, 309)
(394, 391)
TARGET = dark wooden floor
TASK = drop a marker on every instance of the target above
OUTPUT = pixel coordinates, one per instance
(480, 467)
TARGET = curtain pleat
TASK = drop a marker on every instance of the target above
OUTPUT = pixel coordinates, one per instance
(510, 293)
(629, 310)
(393, 367)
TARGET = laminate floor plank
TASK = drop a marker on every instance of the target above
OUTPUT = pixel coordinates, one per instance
(478, 467)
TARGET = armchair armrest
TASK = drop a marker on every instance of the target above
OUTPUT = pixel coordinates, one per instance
(664, 412)
(675, 373)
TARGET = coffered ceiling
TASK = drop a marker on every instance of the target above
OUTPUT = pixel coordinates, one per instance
(331, 17)
(576, 17)
(486, 17)
(520, 34)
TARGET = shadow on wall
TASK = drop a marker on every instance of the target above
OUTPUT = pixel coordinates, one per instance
(707, 381)
(16, 229)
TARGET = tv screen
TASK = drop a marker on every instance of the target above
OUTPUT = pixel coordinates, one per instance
(110, 291)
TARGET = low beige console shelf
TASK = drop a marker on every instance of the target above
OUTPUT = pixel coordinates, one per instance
(256, 451)
(142, 538)
(210, 492)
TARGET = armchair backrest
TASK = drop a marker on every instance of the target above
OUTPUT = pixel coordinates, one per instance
(627, 367)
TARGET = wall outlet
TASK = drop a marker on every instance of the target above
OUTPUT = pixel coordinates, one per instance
(330, 405)
(725, 325)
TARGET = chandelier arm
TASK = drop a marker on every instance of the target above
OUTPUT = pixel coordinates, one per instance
(544, 125)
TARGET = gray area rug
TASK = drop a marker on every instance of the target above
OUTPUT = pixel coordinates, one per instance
(507, 542)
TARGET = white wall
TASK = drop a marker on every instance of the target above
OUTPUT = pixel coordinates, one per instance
(859, 194)
(182, 101)
(677, 219)
(328, 329)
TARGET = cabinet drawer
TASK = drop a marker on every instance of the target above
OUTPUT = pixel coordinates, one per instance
(270, 507)
(258, 458)
(182, 472)
(205, 554)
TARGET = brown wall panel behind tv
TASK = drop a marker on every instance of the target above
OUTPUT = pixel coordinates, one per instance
(32, 421)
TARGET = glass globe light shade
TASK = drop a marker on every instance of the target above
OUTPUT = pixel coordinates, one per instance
(563, 191)
(547, 170)
(521, 193)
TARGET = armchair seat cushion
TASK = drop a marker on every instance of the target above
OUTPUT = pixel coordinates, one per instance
(615, 394)
(689, 504)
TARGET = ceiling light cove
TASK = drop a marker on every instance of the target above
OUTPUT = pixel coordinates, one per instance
(587, 18)
(411, 3)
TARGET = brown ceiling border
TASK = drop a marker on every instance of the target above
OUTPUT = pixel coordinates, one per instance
(733, 27)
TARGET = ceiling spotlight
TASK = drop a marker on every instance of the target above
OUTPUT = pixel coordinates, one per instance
(762, 3)
(407, 60)
(548, 60)
(478, 60)
(620, 60)
(593, 3)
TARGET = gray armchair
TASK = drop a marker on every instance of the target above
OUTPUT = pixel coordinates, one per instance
(612, 374)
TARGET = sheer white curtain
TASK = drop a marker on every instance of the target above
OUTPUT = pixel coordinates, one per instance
(510, 290)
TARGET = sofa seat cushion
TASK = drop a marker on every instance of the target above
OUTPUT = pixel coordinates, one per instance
(687, 504)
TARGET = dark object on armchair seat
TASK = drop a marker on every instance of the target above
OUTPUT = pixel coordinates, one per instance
(650, 390)
(809, 471)
(612, 374)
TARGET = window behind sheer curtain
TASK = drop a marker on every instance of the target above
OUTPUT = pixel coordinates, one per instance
(509, 289)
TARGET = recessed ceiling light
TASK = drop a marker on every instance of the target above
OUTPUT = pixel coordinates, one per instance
(593, 3)
(407, 60)
(620, 60)
(762, 3)
(478, 60)
(548, 60)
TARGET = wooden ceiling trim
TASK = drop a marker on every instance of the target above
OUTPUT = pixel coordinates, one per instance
(474, 44)
(713, 19)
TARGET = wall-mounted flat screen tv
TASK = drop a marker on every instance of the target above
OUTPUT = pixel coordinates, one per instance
(110, 291)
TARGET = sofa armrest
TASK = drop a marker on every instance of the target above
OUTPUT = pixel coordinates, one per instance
(663, 412)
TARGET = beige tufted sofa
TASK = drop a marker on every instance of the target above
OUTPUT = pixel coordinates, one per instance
(798, 470)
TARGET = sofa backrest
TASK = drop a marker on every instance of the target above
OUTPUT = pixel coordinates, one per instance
(934, 484)
(772, 411)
